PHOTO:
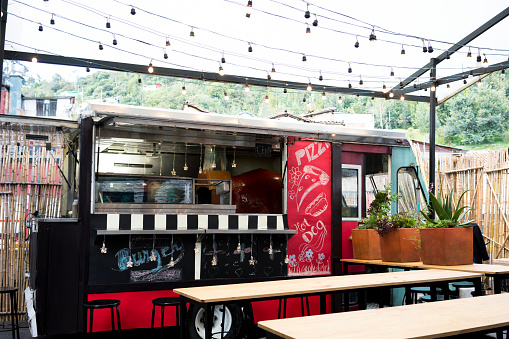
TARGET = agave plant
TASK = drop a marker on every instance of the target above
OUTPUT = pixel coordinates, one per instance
(448, 213)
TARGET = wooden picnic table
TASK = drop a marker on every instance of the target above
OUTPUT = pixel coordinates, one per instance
(497, 272)
(426, 320)
(209, 296)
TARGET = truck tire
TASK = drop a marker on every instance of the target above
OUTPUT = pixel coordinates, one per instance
(196, 321)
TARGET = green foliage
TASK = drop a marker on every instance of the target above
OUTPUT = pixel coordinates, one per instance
(379, 208)
(448, 212)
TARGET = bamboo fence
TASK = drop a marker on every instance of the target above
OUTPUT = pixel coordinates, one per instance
(29, 181)
(485, 174)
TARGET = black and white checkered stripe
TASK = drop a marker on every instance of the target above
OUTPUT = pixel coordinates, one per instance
(183, 222)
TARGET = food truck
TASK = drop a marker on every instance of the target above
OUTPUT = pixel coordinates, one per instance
(171, 198)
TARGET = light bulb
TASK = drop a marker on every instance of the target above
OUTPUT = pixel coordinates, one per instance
(165, 55)
(108, 24)
(251, 261)
(266, 99)
(133, 11)
(403, 50)
(34, 59)
(192, 32)
(250, 48)
(432, 88)
(185, 167)
(384, 88)
(226, 97)
(40, 28)
(100, 46)
(356, 42)
(324, 96)
(88, 69)
(271, 250)
(196, 248)
(173, 172)
(287, 260)
(168, 42)
(448, 86)
(308, 30)
(214, 261)
(391, 94)
(172, 262)
(402, 97)
(104, 249)
(485, 62)
(502, 73)
(309, 88)
(469, 53)
(372, 36)
(221, 71)
(340, 100)
(184, 90)
(392, 72)
(52, 21)
(315, 22)
(213, 165)
(304, 58)
(150, 68)
(247, 89)
(249, 3)
(234, 164)
(114, 40)
(273, 69)
(479, 82)
(153, 256)
(239, 247)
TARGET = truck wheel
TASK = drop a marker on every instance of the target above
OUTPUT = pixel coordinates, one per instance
(197, 322)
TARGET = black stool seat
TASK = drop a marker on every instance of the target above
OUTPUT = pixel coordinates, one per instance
(102, 303)
(14, 310)
(162, 303)
(92, 305)
(166, 301)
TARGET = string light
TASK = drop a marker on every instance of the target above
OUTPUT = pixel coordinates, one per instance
(349, 84)
(234, 164)
(150, 67)
(349, 68)
(184, 89)
(133, 11)
(464, 81)
(40, 27)
(401, 83)
(173, 168)
(165, 55)
(424, 48)
(139, 78)
(320, 77)
(372, 36)
(402, 97)
(221, 70)
(285, 90)
(304, 99)
(485, 62)
(340, 100)
(360, 81)
(448, 86)
(52, 21)
(108, 24)
(153, 252)
(268, 76)
(34, 59)
(114, 40)
(104, 249)
(432, 88)
(88, 69)
(403, 50)
(384, 88)
(478, 59)
(273, 68)
(315, 22)
(100, 46)
(239, 247)
(392, 72)
(479, 82)
(356, 45)
(266, 99)
(307, 15)
(192, 32)
(252, 260)
(324, 96)
(391, 94)
(223, 60)
(502, 73)
(250, 49)
(469, 53)
(196, 245)
(430, 48)
(309, 88)
(185, 160)
(249, 3)
(226, 97)
(172, 262)
(246, 88)
(447, 56)
(308, 30)
(271, 250)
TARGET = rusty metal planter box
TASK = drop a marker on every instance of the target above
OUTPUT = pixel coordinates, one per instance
(447, 246)
(400, 245)
(366, 244)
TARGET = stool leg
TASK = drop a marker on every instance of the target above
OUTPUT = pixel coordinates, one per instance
(11, 297)
(16, 313)
(279, 309)
(162, 321)
(152, 321)
(284, 308)
(302, 306)
(307, 303)
(177, 312)
(118, 324)
(91, 322)
(112, 319)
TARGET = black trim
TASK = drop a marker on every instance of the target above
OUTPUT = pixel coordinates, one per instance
(336, 212)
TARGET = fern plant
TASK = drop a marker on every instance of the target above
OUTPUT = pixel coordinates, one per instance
(448, 214)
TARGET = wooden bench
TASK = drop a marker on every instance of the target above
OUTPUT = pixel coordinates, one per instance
(429, 320)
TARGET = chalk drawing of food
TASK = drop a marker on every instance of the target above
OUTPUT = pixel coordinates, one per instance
(312, 177)
(317, 206)
(313, 238)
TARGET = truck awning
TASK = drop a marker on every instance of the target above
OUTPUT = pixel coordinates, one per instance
(110, 224)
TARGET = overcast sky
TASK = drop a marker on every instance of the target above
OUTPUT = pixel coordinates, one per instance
(277, 33)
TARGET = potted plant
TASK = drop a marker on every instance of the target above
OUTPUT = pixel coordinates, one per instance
(446, 240)
(365, 240)
(399, 238)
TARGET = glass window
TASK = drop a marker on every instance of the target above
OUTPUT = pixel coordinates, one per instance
(351, 191)
(410, 189)
(375, 183)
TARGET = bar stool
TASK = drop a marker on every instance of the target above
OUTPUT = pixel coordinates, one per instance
(163, 302)
(420, 289)
(462, 284)
(14, 310)
(99, 304)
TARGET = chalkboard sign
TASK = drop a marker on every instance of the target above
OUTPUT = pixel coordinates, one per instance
(234, 263)
(263, 150)
(113, 267)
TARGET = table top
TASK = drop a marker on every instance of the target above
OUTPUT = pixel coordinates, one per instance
(426, 320)
(477, 268)
(280, 288)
